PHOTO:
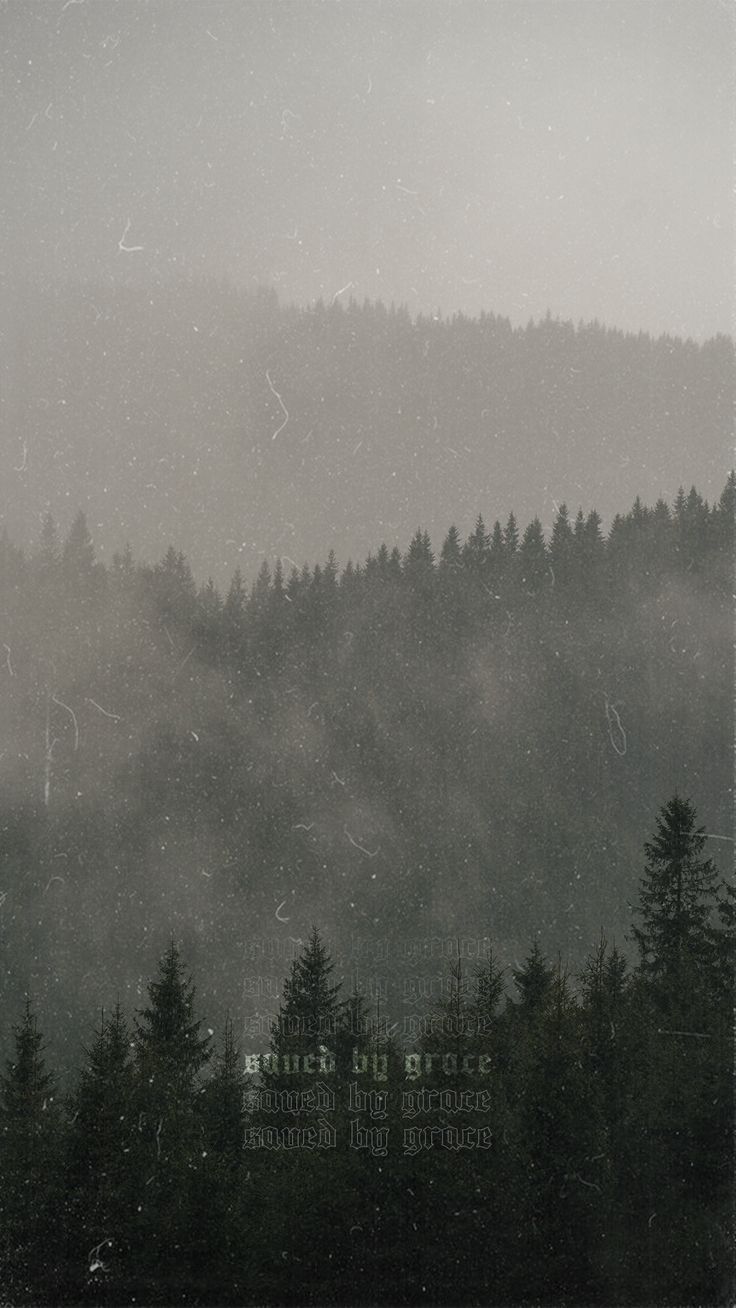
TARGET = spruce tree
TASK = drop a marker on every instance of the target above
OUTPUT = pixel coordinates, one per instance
(30, 1179)
(679, 1127)
(78, 556)
(221, 1188)
(677, 942)
(169, 1055)
(451, 555)
(307, 1022)
(533, 561)
(560, 1142)
(476, 551)
(224, 1101)
(99, 1160)
(533, 980)
(168, 1043)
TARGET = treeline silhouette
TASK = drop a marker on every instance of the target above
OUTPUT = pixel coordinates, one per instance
(172, 1173)
(405, 745)
(169, 392)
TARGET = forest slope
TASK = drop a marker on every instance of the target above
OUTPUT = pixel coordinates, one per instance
(240, 429)
(462, 746)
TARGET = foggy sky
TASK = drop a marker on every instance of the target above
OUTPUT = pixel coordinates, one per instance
(513, 157)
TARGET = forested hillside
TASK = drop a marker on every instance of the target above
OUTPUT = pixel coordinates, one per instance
(463, 740)
(555, 1138)
(236, 427)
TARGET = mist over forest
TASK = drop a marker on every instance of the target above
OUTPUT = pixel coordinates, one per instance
(367, 911)
(236, 428)
(465, 739)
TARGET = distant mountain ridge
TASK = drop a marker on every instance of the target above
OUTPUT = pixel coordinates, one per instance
(241, 429)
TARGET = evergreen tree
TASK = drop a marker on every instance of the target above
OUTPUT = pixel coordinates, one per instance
(451, 555)
(224, 1101)
(298, 1212)
(170, 1051)
(533, 562)
(233, 616)
(497, 547)
(511, 537)
(725, 513)
(30, 1180)
(78, 557)
(99, 1162)
(533, 980)
(419, 561)
(307, 1022)
(49, 553)
(221, 1189)
(476, 551)
(560, 1142)
(561, 546)
(679, 1128)
(604, 982)
(174, 590)
(677, 945)
(169, 1055)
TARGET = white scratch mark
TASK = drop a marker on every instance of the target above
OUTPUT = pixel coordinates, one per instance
(363, 850)
(211, 36)
(303, 826)
(186, 659)
(115, 716)
(73, 717)
(51, 881)
(7, 659)
(342, 290)
(339, 780)
(127, 249)
(281, 402)
(48, 760)
(93, 1257)
(24, 461)
(612, 713)
(278, 912)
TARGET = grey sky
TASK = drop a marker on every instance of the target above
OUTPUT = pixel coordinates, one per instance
(508, 156)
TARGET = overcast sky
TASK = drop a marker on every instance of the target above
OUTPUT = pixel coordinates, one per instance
(511, 156)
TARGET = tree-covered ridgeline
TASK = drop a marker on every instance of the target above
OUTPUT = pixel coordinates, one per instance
(392, 746)
(554, 1136)
(168, 393)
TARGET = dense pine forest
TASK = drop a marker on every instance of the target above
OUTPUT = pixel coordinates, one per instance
(553, 1139)
(452, 742)
(519, 739)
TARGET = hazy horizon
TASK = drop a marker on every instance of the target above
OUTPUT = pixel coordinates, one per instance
(507, 157)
